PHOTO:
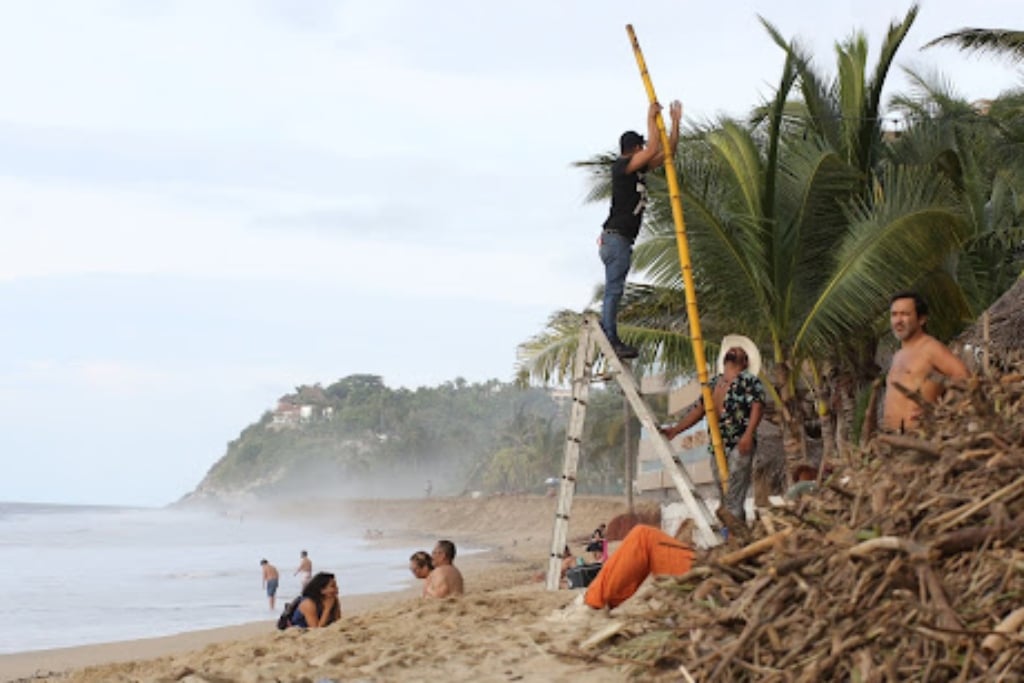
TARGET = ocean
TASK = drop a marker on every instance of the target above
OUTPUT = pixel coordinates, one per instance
(80, 575)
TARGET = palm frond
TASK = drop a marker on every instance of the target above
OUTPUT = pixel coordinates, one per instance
(548, 356)
(870, 124)
(889, 246)
(599, 172)
(1003, 42)
(852, 91)
(815, 184)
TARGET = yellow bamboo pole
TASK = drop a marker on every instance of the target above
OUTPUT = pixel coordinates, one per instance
(687, 268)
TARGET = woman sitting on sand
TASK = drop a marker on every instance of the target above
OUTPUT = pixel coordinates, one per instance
(320, 605)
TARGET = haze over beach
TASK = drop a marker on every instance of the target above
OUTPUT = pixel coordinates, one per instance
(205, 205)
(267, 265)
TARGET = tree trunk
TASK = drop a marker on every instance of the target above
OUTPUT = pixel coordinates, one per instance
(791, 414)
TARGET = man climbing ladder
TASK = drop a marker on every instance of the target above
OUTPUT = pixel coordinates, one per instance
(629, 198)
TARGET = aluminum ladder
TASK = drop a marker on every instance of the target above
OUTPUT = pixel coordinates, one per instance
(592, 338)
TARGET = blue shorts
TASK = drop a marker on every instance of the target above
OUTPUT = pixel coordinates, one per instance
(271, 588)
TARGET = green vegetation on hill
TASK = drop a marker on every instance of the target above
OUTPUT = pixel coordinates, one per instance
(358, 437)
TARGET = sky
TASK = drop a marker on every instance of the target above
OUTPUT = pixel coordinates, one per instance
(206, 204)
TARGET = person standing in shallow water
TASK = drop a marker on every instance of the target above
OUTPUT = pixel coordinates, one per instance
(629, 198)
(919, 355)
(270, 580)
(305, 569)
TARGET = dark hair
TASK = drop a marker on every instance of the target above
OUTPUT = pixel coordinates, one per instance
(314, 591)
(303, 553)
(264, 562)
(448, 548)
(630, 140)
(920, 305)
(423, 559)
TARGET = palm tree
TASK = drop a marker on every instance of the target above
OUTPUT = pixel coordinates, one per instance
(969, 145)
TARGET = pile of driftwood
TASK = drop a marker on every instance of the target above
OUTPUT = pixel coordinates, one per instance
(905, 564)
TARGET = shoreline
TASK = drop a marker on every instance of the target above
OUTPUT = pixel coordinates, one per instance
(513, 533)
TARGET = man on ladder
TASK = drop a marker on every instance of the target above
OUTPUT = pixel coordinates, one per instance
(629, 198)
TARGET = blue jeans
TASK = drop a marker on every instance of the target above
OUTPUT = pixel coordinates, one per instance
(616, 253)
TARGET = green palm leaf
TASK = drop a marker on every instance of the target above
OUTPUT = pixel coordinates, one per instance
(1003, 42)
(889, 247)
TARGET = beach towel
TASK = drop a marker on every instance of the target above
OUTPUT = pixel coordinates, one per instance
(644, 551)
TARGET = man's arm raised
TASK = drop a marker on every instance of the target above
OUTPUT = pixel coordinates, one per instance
(642, 160)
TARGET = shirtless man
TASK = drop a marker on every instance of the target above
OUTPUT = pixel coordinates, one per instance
(305, 569)
(421, 565)
(270, 579)
(919, 355)
(445, 580)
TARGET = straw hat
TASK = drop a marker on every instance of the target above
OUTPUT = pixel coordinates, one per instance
(732, 341)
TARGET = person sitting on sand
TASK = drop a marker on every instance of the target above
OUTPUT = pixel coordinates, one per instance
(421, 564)
(320, 605)
(644, 551)
(596, 546)
(568, 562)
(445, 580)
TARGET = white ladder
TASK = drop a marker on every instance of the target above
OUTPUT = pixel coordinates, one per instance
(591, 338)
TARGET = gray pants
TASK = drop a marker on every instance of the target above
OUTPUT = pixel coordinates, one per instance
(741, 468)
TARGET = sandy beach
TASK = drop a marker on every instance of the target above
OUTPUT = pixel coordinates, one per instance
(507, 627)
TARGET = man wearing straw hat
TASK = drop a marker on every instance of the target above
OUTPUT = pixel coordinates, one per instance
(739, 400)
(629, 197)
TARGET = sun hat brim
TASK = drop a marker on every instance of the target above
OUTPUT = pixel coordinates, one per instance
(739, 341)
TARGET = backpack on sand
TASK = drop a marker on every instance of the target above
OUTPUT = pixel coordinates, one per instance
(285, 620)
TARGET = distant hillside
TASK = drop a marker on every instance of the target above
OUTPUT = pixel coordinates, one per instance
(359, 438)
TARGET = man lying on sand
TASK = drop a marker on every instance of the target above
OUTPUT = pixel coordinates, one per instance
(445, 580)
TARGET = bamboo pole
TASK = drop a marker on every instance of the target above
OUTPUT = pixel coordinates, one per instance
(686, 266)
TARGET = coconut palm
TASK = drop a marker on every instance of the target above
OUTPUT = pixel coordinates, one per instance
(969, 145)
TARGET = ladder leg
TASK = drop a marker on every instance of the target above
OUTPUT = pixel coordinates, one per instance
(698, 507)
(581, 376)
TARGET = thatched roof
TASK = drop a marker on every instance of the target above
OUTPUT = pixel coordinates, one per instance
(1005, 322)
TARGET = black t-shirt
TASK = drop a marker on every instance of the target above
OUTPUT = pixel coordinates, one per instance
(629, 197)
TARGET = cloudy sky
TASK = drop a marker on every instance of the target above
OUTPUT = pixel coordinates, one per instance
(205, 204)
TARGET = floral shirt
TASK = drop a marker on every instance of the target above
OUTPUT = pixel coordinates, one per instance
(745, 390)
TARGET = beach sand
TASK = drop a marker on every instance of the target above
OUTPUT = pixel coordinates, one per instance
(506, 628)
